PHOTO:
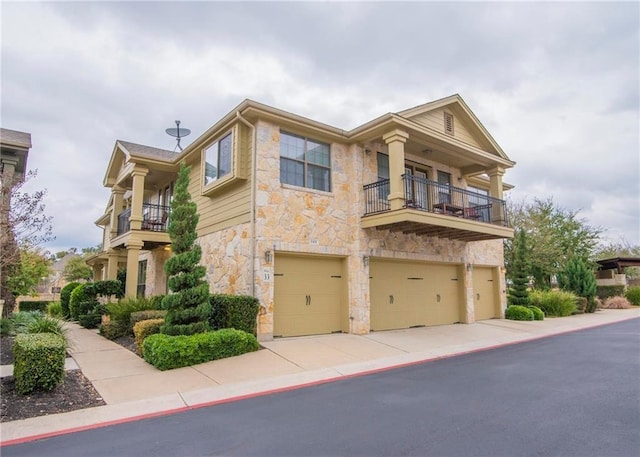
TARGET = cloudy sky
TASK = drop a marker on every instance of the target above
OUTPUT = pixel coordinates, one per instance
(557, 85)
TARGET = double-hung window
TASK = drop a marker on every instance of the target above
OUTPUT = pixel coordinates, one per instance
(218, 159)
(305, 162)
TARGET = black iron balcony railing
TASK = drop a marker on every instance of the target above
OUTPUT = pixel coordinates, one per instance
(154, 218)
(426, 195)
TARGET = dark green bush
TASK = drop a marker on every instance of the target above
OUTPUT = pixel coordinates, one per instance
(112, 330)
(633, 295)
(65, 297)
(83, 301)
(538, 315)
(234, 311)
(604, 292)
(6, 326)
(92, 319)
(38, 361)
(33, 305)
(166, 352)
(143, 329)
(108, 287)
(518, 313)
(156, 301)
(554, 302)
(139, 316)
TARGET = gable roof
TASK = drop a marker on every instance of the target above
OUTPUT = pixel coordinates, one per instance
(140, 149)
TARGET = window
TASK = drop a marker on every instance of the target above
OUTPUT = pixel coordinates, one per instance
(304, 162)
(218, 158)
(142, 277)
(383, 173)
(448, 123)
(444, 184)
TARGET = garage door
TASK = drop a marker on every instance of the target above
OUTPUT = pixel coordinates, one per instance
(408, 294)
(484, 296)
(308, 295)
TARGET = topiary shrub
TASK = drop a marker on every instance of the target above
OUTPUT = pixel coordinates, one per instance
(519, 291)
(633, 295)
(108, 288)
(538, 315)
(603, 292)
(38, 361)
(65, 297)
(554, 302)
(616, 303)
(83, 301)
(234, 311)
(518, 313)
(143, 329)
(166, 352)
(156, 301)
(33, 305)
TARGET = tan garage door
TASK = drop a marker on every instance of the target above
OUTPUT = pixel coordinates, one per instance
(308, 295)
(484, 296)
(408, 294)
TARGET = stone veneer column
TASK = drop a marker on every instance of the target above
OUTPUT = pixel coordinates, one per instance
(133, 255)
(137, 196)
(395, 143)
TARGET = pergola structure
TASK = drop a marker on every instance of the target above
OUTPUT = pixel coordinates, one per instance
(618, 263)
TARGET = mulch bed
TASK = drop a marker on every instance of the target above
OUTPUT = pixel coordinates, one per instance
(75, 392)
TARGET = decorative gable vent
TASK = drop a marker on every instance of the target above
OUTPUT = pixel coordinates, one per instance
(448, 123)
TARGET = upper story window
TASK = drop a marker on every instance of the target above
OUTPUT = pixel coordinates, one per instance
(218, 159)
(383, 166)
(448, 123)
(305, 162)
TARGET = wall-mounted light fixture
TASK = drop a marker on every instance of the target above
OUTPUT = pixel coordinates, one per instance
(365, 260)
(469, 267)
(367, 151)
(268, 256)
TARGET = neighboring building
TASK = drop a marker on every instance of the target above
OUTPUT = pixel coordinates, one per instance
(14, 152)
(396, 223)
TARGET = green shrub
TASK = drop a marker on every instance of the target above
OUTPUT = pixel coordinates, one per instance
(156, 301)
(22, 319)
(54, 309)
(166, 352)
(538, 315)
(92, 319)
(112, 330)
(145, 315)
(554, 302)
(234, 311)
(65, 297)
(121, 311)
(143, 329)
(519, 313)
(108, 287)
(33, 305)
(603, 292)
(83, 301)
(38, 361)
(6, 326)
(47, 324)
(633, 295)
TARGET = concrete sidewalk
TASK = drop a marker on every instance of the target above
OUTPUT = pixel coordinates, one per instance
(133, 389)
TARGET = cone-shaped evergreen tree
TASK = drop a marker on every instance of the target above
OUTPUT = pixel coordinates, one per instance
(578, 278)
(188, 308)
(519, 293)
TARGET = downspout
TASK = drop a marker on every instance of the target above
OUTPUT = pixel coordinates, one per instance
(252, 229)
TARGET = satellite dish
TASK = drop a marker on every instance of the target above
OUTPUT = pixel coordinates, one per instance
(178, 133)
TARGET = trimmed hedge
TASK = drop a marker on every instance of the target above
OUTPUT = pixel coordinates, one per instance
(38, 361)
(121, 311)
(538, 315)
(518, 313)
(83, 300)
(143, 329)
(138, 316)
(108, 287)
(234, 311)
(29, 305)
(633, 295)
(112, 329)
(554, 302)
(166, 352)
(65, 297)
(603, 292)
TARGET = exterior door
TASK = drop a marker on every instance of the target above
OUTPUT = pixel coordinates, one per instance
(484, 296)
(308, 295)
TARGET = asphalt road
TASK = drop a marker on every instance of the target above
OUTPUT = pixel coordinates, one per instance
(570, 395)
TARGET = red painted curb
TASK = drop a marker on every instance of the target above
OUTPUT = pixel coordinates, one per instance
(285, 389)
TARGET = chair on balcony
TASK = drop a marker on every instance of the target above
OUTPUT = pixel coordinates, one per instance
(156, 225)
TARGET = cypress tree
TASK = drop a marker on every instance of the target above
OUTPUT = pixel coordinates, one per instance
(188, 307)
(519, 293)
(578, 277)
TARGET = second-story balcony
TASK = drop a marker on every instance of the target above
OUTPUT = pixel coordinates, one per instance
(434, 209)
(155, 218)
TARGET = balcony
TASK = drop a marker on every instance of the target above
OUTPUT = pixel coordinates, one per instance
(435, 209)
(155, 218)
